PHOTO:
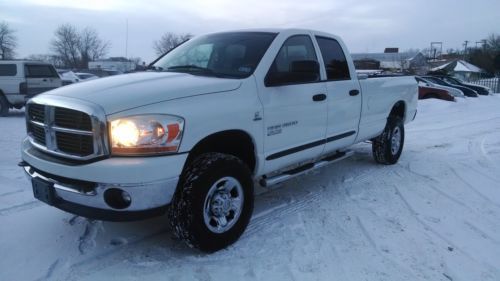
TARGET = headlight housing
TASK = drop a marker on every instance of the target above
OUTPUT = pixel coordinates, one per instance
(146, 134)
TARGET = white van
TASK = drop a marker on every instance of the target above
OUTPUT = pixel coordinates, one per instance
(22, 80)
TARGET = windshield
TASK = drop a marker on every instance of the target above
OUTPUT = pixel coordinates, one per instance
(453, 80)
(229, 55)
(437, 81)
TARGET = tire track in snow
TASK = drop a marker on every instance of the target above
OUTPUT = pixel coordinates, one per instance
(372, 243)
(439, 191)
(427, 227)
(275, 213)
(20, 208)
(453, 126)
(11, 192)
(481, 232)
(472, 188)
(480, 172)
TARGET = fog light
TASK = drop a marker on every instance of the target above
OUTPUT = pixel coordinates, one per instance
(117, 198)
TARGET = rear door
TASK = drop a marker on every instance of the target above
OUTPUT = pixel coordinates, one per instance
(9, 79)
(295, 112)
(40, 78)
(344, 96)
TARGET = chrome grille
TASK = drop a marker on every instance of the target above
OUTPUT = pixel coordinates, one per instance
(37, 112)
(75, 131)
(72, 119)
(74, 143)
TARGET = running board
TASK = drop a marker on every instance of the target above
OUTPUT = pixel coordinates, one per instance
(267, 182)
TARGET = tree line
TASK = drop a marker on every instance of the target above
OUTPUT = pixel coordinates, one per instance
(75, 48)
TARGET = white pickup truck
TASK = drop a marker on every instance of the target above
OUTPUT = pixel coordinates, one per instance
(212, 117)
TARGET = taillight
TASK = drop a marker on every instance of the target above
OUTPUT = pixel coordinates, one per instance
(23, 88)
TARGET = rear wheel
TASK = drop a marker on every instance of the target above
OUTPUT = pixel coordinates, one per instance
(4, 106)
(213, 203)
(388, 146)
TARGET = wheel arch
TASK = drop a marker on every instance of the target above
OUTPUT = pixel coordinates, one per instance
(398, 110)
(235, 142)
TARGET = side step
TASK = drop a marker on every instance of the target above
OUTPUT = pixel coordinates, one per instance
(267, 182)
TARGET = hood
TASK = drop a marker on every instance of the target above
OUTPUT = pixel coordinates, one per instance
(121, 92)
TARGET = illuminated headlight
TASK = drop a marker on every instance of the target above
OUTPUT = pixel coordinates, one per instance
(146, 134)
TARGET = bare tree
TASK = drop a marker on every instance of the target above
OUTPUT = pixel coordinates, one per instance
(76, 48)
(90, 46)
(8, 41)
(169, 41)
(48, 58)
(493, 42)
(65, 45)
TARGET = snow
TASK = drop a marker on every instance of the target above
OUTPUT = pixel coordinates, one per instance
(459, 66)
(433, 216)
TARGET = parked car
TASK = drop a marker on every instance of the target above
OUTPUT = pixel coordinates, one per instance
(68, 77)
(22, 80)
(86, 76)
(425, 92)
(427, 83)
(466, 90)
(192, 138)
(479, 89)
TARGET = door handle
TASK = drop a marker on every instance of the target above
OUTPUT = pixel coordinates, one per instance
(354, 92)
(44, 80)
(319, 97)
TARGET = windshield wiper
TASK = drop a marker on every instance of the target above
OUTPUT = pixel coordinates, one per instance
(188, 67)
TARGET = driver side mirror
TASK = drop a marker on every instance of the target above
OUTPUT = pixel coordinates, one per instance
(301, 71)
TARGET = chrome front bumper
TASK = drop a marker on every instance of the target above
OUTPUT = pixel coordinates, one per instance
(147, 199)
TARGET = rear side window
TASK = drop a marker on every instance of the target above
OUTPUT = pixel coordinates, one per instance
(8, 70)
(40, 71)
(334, 59)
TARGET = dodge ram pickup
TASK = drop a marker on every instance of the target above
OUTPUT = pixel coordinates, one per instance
(210, 119)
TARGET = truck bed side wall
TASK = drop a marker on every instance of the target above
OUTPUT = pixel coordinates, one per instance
(379, 96)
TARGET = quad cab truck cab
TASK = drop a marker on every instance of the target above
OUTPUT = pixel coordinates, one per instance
(22, 80)
(215, 116)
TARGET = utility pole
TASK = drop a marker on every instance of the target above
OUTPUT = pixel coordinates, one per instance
(465, 48)
(436, 49)
(126, 38)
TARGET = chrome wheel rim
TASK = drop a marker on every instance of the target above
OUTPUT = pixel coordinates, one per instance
(223, 205)
(395, 140)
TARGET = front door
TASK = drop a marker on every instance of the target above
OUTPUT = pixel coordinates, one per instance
(295, 112)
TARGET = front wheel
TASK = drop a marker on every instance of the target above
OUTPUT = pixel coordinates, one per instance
(214, 202)
(387, 147)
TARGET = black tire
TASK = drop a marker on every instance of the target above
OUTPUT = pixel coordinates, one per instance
(186, 212)
(4, 106)
(385, 151)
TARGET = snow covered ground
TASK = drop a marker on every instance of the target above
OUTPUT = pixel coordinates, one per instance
(433, 216)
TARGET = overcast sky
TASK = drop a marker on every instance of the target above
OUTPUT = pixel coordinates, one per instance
(366, 26)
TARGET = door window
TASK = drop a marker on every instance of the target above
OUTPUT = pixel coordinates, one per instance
(40, 71)
(8, 70)
(295, 63)
(334, 59)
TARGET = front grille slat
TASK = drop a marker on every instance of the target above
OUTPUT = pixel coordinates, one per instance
(42, 121)
(36, 112)
(38, 133)
(72, 119)
(75, 144)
